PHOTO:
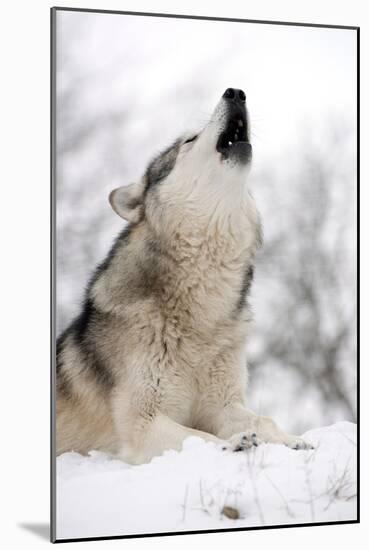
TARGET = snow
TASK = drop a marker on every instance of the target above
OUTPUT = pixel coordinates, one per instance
(186, 491)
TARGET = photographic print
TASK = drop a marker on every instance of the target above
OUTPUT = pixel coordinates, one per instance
(204, 215)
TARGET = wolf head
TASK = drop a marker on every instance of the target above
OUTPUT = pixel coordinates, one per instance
(197, 175)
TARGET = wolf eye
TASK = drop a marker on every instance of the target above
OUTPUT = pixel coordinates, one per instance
(190, 139)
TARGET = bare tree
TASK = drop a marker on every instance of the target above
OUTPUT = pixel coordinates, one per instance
(307, 274)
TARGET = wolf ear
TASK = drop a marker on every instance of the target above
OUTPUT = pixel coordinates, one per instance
(127, 201)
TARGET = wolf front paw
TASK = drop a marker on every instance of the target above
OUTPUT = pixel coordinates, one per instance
(241, 442)
(298, 444)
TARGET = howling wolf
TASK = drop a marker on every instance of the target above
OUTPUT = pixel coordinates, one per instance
(157, 353)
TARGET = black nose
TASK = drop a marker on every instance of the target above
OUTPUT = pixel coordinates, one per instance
(232, 94)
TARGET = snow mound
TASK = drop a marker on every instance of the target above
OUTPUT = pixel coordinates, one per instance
(202, 487)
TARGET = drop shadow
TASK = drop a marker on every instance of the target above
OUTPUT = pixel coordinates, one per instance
(42, 530)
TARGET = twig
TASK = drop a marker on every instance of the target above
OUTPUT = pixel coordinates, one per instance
(256, 495)
(184, 506)
(288, 509)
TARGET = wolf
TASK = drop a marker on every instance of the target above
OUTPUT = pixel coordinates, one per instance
(158, 352)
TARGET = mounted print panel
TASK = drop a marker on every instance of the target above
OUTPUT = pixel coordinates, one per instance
(204, 365)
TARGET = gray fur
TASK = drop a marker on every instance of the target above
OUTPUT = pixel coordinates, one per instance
(162, 165)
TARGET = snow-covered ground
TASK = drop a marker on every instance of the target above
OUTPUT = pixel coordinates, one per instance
(197, 488)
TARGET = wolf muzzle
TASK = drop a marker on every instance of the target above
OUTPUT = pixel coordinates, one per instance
(233, 142)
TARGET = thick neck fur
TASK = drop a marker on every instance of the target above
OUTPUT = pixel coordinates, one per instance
(214, 214)
(192, 269)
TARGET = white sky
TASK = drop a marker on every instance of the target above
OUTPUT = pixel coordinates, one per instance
(292, 76)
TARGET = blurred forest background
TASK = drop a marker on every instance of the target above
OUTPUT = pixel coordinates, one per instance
(126, 86)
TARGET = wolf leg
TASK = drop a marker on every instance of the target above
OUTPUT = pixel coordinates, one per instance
(163, 434)
(151, 438)
(235, 419)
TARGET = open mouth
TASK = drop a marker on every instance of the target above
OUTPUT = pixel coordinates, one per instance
(233, 141)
